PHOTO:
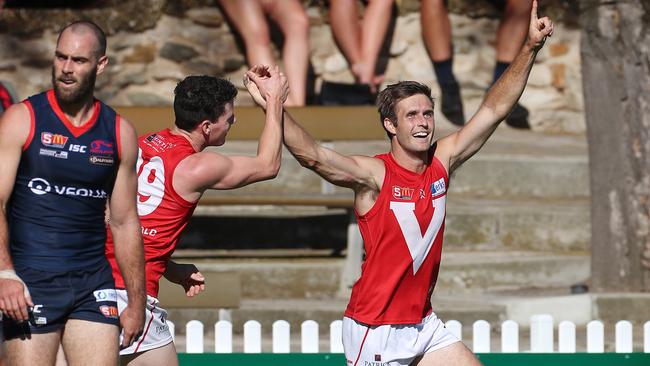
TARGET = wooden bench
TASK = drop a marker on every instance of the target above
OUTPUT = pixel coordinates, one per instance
(324, 123)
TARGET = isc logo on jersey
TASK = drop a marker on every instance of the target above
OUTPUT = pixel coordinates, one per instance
(78, 148)
(53, 140)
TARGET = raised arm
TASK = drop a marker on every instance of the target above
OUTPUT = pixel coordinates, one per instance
(208, 170)
(14, 130)
(500, 99)
(126, 230)
(361, 173)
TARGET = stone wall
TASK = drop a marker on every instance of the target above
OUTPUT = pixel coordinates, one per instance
(154, 43)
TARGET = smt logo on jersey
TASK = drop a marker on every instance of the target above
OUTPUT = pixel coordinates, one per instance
(403, 193)
(53, 140)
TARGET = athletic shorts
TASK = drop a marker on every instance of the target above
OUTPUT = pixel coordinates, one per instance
(85, 295)
(393, 345)
(156, 331)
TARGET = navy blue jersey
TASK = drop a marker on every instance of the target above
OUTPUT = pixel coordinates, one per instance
(66, 173)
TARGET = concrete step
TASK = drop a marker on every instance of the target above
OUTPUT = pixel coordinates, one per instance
(472, 223)
(461, 272)
(513, 163)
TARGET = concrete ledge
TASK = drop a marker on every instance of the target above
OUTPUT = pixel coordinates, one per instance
(222, 290)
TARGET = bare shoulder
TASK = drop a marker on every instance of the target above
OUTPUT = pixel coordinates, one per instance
(126, 129)
(15, 123)
(374, 170)
(443, 149)
(203, 166)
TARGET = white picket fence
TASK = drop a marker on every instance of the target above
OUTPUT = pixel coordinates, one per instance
(542, 334)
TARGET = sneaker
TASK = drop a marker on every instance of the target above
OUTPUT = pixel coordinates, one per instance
(518, 118)
(451, 103)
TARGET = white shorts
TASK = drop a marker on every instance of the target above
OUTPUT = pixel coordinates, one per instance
(156, 331)
(392, 345)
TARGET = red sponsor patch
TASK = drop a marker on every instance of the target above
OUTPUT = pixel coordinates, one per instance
(109, 311)
(53, 140)
(403, 193)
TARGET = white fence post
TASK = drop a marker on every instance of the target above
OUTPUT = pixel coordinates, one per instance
(541, 333)
(595, 337)
(223, 337)
(336, 337)
(172, 329)
(194, 337)
(481, 340)
(646, 337)
(252, 337)
(281, 337)
(566, 337)
(455, 328)
(309, 336)
(623, 336)
(509, 337)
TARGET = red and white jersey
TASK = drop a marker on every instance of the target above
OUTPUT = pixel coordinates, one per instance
(402, 236)
(163, 212)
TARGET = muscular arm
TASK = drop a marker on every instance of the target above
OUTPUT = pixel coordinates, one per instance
(14, 130)
(125, 227)
(361, 173)
(209, 170)
(499, 101)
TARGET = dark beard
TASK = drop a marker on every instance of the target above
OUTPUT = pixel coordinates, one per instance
(85, 88)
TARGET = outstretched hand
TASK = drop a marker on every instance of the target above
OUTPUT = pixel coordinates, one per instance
(539, 28)
(264, 83)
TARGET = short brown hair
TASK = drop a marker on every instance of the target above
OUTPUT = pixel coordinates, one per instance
(393, 94)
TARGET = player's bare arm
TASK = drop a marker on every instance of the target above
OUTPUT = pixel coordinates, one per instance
(501, 98)
(186, 275)
(361, 173)
(126, 230)
(14, 131)
(209, 170)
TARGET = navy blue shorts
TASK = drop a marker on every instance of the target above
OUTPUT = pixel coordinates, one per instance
(85, 295)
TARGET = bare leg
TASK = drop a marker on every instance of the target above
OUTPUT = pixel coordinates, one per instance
(375, 23)
(90, 343)
(436, 29)
(40, 349)
(161, 356)
(250, 21)
(294, 23)
(455, 354)
(512, 29)
(346, 29)
(60, 357)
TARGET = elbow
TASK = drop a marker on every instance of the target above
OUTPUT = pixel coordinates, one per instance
(270, 171)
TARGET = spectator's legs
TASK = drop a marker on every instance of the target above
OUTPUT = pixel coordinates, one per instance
(294, 23)
(250, 21)
(436, 29)
(346, 29)
(511, 33)
(374, 26)
(436, 32)
(510, 37)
